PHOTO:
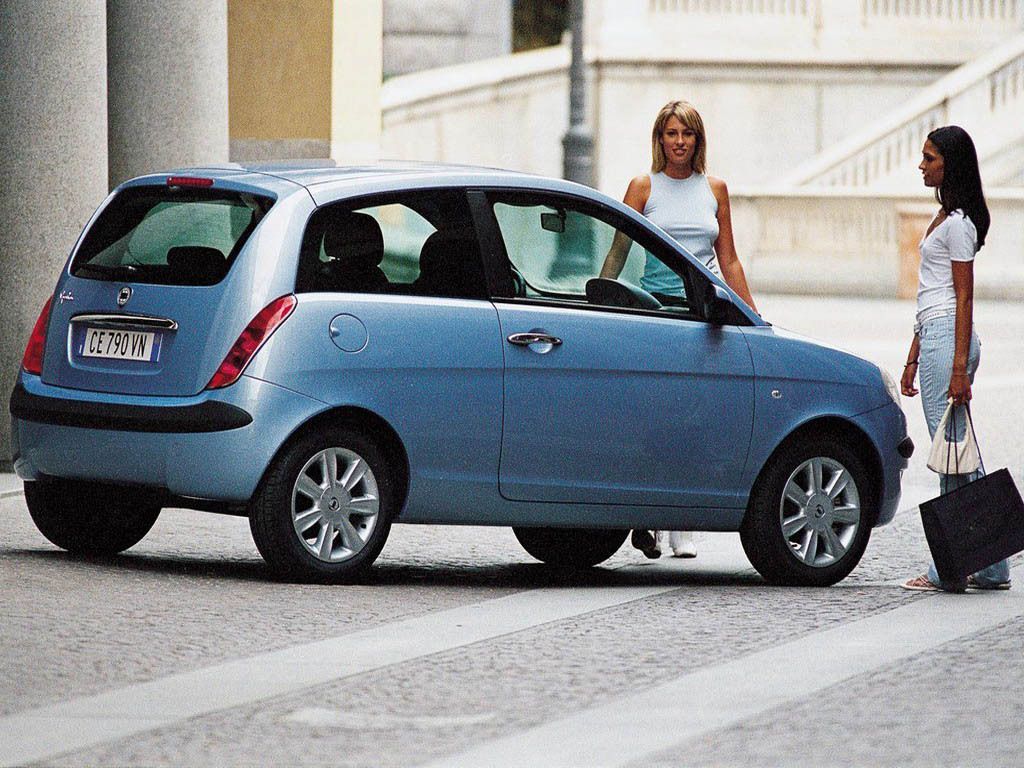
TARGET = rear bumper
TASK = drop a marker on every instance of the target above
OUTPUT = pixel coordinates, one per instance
(215, 445)
(207, 416)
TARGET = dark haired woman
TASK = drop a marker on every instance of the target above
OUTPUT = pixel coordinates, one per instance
(694, 209)
(946, 350)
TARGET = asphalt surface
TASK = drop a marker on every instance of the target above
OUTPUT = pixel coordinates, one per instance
(461, 650)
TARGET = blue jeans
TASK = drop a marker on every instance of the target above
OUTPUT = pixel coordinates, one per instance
(937, 337)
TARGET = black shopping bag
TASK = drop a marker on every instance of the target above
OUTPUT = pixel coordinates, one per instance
(974, 526)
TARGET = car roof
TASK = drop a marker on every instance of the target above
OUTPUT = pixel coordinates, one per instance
(342, 180)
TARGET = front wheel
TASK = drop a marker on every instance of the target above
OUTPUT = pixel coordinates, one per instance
(324, 509)
(88, 518)
(569, 547)
(810, 514)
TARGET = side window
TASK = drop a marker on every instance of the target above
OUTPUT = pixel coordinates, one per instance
(420, 243)
(555, 251)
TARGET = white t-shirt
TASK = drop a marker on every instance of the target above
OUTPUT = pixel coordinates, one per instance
(955, 239)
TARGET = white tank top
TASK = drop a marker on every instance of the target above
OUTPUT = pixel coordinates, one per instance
(688, 211)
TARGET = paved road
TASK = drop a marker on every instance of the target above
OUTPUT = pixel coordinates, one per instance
(462, 651)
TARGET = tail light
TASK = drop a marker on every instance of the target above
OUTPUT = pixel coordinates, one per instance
(32, 362)
(250, 341)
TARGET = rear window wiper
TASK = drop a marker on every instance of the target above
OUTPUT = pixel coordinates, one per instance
(107, 269)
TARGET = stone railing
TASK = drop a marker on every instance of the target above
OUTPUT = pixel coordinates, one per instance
(737, 7)
(986, 97)
(851, 242)
(1002, 12)
(913, 31)
(997, 11)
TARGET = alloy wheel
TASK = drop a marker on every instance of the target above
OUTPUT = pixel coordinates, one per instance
(820, 511)
(335, 504)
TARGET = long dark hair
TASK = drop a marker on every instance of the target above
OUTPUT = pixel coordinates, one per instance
(961, 179)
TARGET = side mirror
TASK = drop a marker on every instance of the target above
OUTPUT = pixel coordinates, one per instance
(718, 306)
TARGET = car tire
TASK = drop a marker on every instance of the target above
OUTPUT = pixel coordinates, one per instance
(89, 519)
(810, 514)
(335, 537)
(570, 547)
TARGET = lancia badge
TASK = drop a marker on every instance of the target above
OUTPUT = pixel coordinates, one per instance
(123, 295)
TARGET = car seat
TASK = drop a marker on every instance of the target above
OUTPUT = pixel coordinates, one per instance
(450, 266)
(354, 247)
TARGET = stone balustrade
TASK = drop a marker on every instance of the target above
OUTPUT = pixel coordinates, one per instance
(986, 97)
(853, 242)
(939, 31)
(1000, 12)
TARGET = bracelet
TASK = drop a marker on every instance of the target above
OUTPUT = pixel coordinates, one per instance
(912, 362)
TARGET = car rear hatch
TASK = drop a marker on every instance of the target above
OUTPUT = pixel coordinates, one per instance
(151, 288)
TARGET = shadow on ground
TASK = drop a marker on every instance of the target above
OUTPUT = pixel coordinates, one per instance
(395, 572)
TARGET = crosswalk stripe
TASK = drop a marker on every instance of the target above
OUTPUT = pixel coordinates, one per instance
(45, 732)
(630, 729)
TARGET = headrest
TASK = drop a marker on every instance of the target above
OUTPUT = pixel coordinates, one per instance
(438, 249)
(202, 263)
(450, 266)
(354, 239)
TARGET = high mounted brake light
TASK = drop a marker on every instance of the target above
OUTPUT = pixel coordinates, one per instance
(32, 362)
(251, 339)
(188, 181)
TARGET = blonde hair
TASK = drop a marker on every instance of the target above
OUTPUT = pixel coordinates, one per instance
(688, 115)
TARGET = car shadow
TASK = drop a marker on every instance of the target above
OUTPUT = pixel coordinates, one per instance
(393, 572)
(178, 565)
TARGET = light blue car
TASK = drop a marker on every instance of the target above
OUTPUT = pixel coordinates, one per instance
(328, 351)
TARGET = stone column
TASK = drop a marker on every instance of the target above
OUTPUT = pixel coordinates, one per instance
(53, 166)
(356, 55)
(168, 84)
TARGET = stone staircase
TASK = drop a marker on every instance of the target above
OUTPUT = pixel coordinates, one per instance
(984, 96)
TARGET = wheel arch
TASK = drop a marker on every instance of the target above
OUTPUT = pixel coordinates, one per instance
(840, 430)
(371, 424)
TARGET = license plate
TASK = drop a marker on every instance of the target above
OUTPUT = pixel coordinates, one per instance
(121, 345)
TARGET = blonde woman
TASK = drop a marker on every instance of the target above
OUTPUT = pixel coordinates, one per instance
(693, 208)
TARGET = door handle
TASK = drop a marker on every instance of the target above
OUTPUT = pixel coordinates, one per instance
(526, 339)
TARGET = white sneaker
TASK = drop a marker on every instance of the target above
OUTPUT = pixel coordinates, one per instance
(682, 544)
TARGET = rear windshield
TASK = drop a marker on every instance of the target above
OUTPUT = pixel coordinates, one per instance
(169, 235)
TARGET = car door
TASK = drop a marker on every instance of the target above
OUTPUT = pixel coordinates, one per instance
(607, 403)
(395, 309)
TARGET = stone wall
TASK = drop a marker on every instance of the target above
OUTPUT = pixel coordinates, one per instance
(863, 243)
(424, 34)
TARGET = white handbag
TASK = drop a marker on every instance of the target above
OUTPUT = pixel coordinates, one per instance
(950, 456)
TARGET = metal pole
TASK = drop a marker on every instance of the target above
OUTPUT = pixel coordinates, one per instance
(578, 144)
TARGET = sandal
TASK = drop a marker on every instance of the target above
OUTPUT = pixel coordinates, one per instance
(921, 584)
(973, 583)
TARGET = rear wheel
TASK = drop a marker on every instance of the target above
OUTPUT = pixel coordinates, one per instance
(570, 547)
(810, 514)
(87, 518)
(324, 509)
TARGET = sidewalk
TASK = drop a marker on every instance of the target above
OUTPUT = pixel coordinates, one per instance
(10, 484)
